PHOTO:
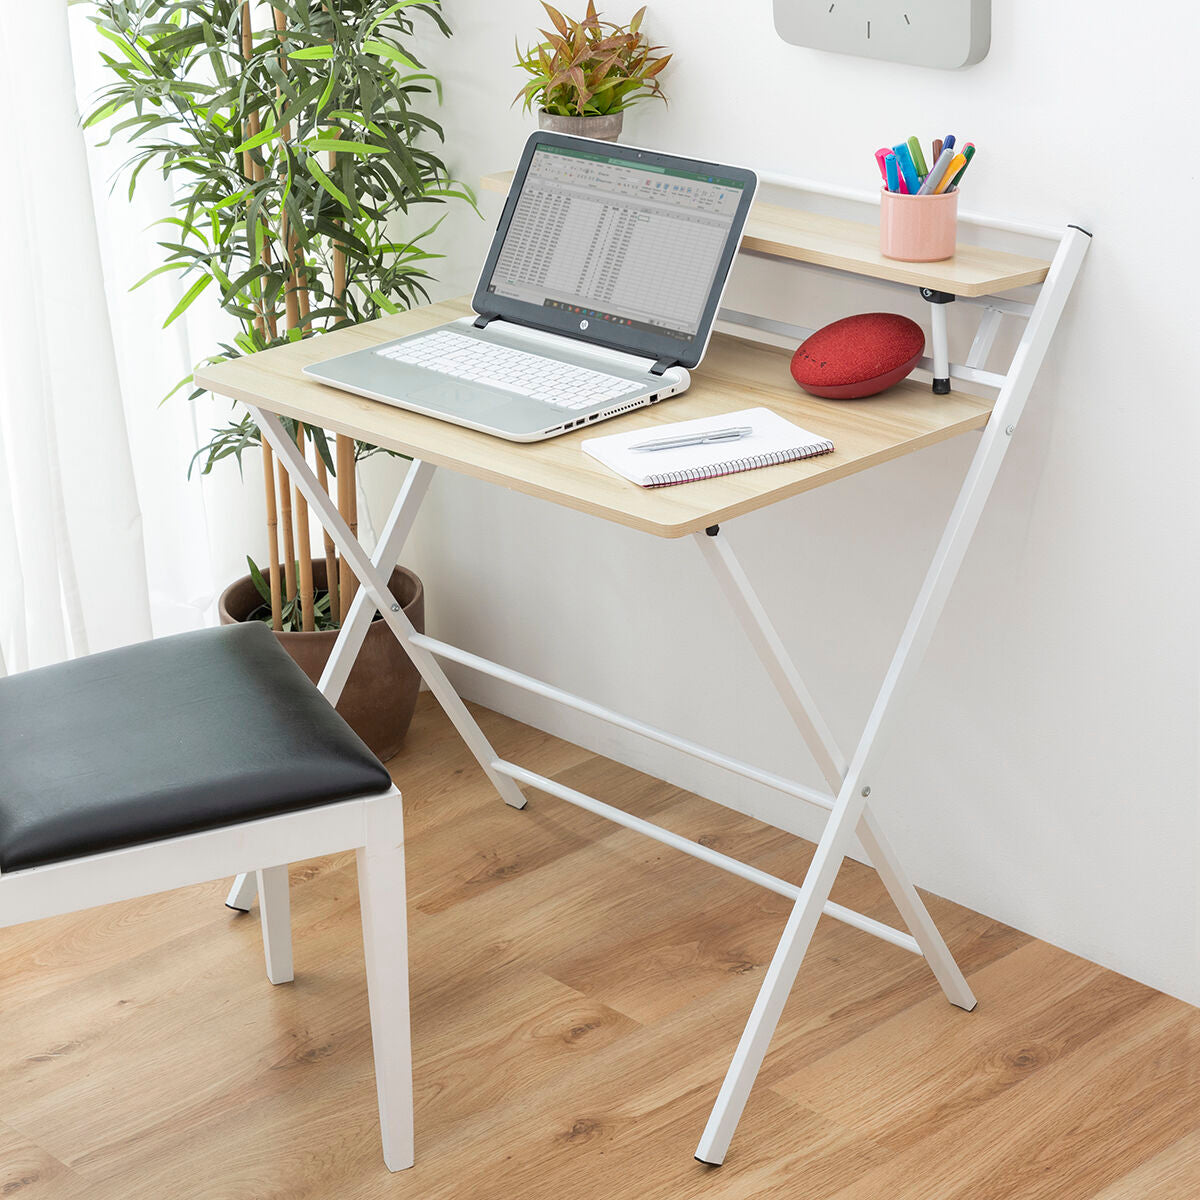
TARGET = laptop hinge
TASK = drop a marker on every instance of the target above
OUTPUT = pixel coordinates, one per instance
(484, 319)
(663, 366)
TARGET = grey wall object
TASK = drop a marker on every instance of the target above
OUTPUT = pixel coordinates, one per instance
(924, 33)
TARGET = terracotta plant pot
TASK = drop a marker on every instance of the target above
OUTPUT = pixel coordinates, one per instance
(381, 693)
(604, 129)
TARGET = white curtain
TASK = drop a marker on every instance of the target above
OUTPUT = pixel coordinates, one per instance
(197, 531)
(103, 539)
(72, 562)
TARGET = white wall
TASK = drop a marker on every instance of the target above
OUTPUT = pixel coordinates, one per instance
(1045, 772)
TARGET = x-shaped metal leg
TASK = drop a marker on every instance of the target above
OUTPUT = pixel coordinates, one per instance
(374, 573)
(771, 651)
(850, 812)
(849, 780)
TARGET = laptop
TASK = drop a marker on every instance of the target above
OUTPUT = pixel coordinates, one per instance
(597, 297)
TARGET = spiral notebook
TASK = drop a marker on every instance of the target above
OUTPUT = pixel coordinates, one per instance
(774, 440)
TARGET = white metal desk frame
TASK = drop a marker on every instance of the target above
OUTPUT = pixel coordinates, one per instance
(847, 777)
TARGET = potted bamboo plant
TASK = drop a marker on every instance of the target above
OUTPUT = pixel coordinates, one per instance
(292, 135)
(588, 72)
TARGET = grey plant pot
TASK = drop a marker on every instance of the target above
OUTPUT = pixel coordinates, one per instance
(604, 129)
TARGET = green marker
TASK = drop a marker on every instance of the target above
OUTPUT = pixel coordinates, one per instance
(968, 153)
(914, 148)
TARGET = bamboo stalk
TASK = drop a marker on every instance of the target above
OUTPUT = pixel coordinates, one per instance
(302, 276)
(339, 253)
(288, 549)
(291, 301)
(345, 492)
(288, 534)
(304, 543)
(253, 173)
(285, 483)
(331, 563)
(291, 298)
(303, 584)
(304, 562)
(287, 238)
(347, 482)
(339, 270)
(247, 54)
(272, 536)
(265, 317)
(352, 505)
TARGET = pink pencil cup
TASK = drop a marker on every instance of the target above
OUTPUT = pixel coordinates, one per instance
(918, 228)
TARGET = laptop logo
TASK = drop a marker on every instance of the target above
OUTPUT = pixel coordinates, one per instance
(583, 324)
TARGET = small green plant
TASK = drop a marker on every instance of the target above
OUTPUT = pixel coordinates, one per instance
(291, 617)
(590, 68)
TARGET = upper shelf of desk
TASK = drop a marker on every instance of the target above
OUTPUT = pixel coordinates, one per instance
(853, 246)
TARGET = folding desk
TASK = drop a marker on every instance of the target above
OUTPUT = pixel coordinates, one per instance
(737, 372)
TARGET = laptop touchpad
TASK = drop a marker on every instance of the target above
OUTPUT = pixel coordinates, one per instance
(459, 398)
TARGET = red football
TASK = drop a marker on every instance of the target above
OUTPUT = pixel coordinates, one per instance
(858, 356)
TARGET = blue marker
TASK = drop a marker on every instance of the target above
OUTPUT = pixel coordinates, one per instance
(908, 168)
(893, 176)
(948, 144)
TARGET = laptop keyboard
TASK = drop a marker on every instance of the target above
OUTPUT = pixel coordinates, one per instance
(560, 384)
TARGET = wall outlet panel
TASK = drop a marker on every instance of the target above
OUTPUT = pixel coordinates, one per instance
(923, 33)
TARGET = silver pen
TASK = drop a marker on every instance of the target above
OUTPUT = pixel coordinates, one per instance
(733, 434)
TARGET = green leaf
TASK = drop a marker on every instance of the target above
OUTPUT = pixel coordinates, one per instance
(308, 53)
(386, 50)
(182, 383)
(170, 266)
(264, 588)
(103, 113)
(243, 281)
(384, 302)
(342, 145)
(121, 44)
(188, 297)
(389, 11)
(328, 184)
(270, 133)
(322, 444)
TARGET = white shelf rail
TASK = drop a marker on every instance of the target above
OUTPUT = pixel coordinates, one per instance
(1049, 233)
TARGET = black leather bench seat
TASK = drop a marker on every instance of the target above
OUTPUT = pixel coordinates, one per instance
(165, 738)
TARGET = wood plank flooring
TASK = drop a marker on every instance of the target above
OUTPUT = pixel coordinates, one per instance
(577, 994)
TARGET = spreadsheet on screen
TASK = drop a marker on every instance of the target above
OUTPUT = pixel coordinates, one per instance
(642, 243)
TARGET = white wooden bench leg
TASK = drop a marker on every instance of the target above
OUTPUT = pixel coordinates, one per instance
(383, 902)
(275, 908)
(242, 893)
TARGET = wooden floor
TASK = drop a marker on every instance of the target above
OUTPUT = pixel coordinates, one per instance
(577, 994)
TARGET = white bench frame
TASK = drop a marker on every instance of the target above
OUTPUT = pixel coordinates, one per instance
(371, 825)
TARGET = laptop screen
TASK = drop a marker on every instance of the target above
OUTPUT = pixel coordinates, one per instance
(630, 247)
